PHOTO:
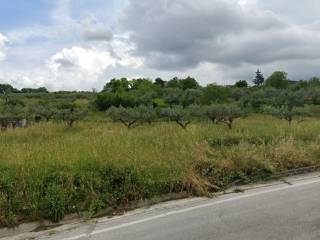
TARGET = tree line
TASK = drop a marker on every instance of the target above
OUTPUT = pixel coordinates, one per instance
(136, 101)
(187, 91)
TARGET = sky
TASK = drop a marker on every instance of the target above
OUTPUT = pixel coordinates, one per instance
(82, 44)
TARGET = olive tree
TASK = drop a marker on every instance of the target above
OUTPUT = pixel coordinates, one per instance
(70, 113)
(182, 116)
(146, 114)
(214, 112)
(288, 113)
(46, 110)
(11, 115)
(224, 113)
(132, 117)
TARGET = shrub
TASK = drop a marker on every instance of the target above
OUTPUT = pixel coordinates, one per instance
(105, 100)
(53, 203)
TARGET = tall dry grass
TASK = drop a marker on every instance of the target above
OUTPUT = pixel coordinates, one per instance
(49, 170)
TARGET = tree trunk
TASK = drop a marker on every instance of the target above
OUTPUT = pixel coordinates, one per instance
(183, 124)
(131, 124)
(70, 124)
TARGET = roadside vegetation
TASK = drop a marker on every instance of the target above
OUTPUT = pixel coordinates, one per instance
(71, 152)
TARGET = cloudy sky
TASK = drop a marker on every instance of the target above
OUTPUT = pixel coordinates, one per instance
(81, 44)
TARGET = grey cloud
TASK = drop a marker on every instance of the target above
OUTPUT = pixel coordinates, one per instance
(181, 34)
(93, 30)
(64, 62)
(298, 11)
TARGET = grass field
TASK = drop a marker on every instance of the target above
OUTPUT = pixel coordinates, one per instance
(49, 170)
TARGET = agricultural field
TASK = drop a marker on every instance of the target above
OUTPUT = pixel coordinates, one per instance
(49, 170)
(86, 152)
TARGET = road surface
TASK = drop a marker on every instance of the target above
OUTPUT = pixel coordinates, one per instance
(280, 211)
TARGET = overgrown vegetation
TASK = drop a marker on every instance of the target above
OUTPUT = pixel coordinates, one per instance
(70, 152)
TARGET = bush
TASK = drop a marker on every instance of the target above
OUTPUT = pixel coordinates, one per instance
(53, 203)
(105, 100)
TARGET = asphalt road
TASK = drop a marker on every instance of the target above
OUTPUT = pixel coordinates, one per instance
(281, 211)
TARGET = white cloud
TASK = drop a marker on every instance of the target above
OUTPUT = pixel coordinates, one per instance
(61, 12)
(90, 59)
(215, 41)
(86, 66)
(79, 66)
(3, 44)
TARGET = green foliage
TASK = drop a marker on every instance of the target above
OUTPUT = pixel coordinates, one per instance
(95, 206)
(11, 114)
(7, 88)
(185, 92)
(160, 82)
(14, 102)
(34, 90)
(140, 83)
(259, 79)
(117, 85)
(52, 204)
(232, 112)
(8, 183)
(288, 113)
(310, 96)
(178, 114)
(278, 80)
(48, 171)
(241, 84)
(70, 113)
(184, 84)
(127, 116)
(46, 110)
(133, 117)
(147, 114)
(215, 112)
(106, 100)
(288, 99)
(214, 94)
(190, 97)
(172, 96)
(225, 113)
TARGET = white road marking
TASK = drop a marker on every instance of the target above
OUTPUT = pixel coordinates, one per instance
(190, 209)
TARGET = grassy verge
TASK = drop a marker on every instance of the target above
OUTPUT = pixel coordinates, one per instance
(48, 171)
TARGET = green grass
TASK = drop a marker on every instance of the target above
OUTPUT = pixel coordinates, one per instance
(49, 170)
